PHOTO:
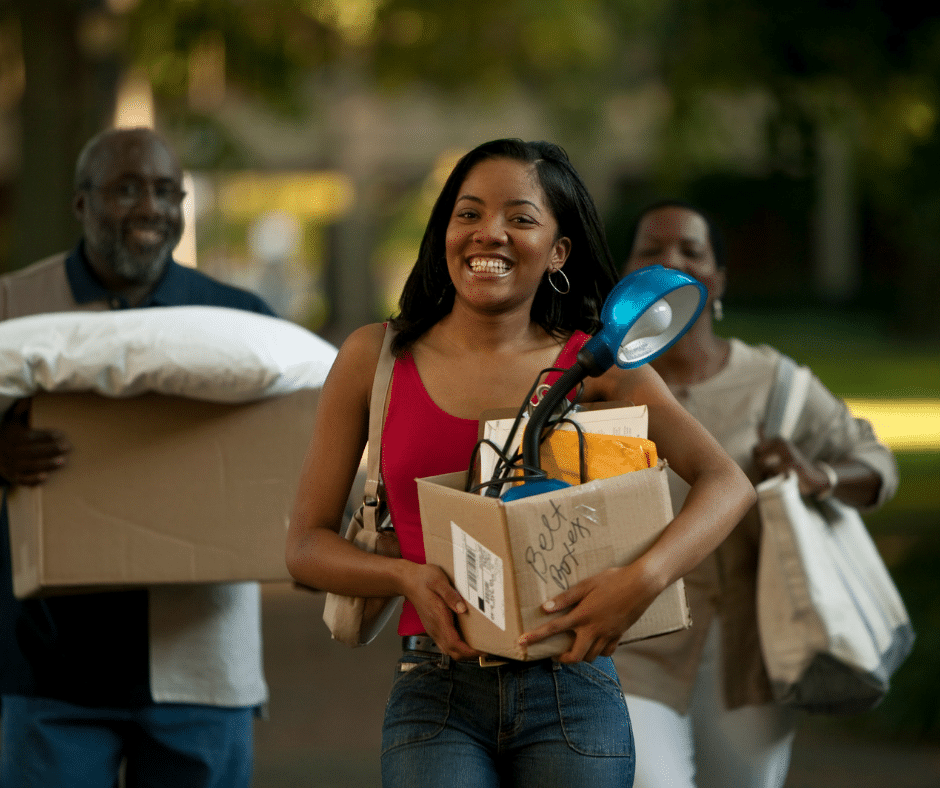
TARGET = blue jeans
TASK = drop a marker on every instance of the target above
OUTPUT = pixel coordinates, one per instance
(50, 744)
(524, 724)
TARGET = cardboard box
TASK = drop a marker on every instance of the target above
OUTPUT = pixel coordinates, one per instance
(160, 489)
(506, 559)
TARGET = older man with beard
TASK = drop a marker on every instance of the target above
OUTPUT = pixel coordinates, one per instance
(146, 678)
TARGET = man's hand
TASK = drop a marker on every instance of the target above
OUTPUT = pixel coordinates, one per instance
(28, 456)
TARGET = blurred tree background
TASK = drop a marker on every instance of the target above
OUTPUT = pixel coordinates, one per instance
(809, 129)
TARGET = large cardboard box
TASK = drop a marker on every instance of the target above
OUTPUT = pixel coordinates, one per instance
(160, 489)
(506, 559)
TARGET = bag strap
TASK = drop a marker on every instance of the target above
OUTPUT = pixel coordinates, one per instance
(787, 398)
(374, 493)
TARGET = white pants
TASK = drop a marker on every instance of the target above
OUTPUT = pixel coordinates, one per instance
(711, 747)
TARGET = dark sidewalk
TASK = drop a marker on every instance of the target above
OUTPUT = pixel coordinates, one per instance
(327, 701)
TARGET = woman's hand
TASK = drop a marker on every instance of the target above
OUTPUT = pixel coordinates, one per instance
(602, 608)
(778, 455)
(437, 602)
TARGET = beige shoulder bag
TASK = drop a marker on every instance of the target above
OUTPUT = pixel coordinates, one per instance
(356, 621)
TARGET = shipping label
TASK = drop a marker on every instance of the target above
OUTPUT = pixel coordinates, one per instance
(478, 576)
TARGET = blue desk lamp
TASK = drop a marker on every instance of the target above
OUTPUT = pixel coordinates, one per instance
(644, 315)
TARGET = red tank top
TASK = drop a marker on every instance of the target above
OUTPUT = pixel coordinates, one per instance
(419, 439)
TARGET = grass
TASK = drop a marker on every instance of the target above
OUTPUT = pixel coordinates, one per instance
(854, 354)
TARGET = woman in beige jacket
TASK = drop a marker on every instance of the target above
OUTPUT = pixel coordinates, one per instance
(700, 700)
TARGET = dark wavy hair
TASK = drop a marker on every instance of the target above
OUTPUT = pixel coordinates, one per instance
(428, 294)
(716, 238)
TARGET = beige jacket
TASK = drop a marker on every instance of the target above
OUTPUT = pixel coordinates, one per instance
(730, 406)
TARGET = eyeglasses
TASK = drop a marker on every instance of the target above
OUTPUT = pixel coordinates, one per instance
(128, 192)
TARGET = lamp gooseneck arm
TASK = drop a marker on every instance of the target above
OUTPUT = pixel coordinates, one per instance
(543, 411)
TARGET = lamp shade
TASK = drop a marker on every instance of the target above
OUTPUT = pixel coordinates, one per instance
(644, 315)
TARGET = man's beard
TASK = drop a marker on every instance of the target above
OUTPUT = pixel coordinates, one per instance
(140, 268)
(144, 267)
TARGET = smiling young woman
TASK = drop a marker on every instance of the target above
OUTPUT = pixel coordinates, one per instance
(479, 319)
(502, 237)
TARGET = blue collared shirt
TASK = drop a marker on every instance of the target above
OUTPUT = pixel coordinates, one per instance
(179, 286)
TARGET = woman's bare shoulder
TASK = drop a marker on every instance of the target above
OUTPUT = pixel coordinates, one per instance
(625, 385)
(358, 357)
(365, 342)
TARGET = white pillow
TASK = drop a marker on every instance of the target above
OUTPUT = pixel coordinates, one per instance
(203, 352)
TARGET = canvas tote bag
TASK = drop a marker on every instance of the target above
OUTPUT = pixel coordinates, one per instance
(356, 621)
(833, 628)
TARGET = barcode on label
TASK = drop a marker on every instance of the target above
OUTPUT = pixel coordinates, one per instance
(472, 569)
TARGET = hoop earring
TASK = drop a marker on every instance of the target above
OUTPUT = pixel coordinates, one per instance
(718, 309)
(554, 286)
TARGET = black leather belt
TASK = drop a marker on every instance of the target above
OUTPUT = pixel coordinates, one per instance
(426, 645)
(420, 643)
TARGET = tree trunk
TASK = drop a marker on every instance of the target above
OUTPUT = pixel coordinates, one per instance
(69, 96)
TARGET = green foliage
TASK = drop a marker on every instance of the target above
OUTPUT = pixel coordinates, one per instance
(570, 56)
(856, 354)
(564, 54)
(267, 45)
(866, 71)
(915, 510)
